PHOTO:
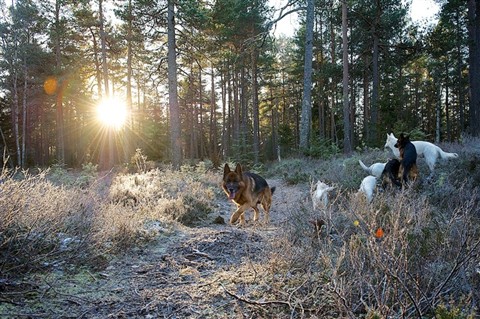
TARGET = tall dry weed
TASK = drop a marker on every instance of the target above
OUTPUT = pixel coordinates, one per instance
(137, 201)
(410, 253)
(42, 224)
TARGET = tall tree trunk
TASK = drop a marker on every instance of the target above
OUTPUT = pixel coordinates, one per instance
(306, 116)
(256, 115)
(5, 154)
(128, 137)
(347, 126)
(375, 87)
(236, 109)
(460, 81)
(16, 118)
(438, 109)
(322, 83)
(375, 75)
(366, 98)
(244, 110)
(110, 161)
(175, 130)
(447, 104)
(103, 43)
(24, 111)
(59, 101)
(225, 121)
(213, 122)
(474, 64)
(98, 71)
(16, 106)
(200, 132)
(332, 84)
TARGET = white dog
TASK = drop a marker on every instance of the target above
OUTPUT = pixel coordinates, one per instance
(376, 169)
(319, 194)
(368, 187)
(430, 151)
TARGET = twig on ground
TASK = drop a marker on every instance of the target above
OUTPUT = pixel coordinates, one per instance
(255, 302)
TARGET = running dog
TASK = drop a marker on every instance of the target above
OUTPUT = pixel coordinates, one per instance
(376, 169)
(430, 151)
(408, 159)
(246, 190)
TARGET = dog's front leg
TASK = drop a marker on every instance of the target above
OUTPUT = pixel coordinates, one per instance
(256, 214)
(239, 213)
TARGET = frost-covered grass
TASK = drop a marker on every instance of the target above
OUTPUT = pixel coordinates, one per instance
(48, 218)
(409, 253)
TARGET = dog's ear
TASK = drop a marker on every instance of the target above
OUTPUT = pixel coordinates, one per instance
(226, 169)
(238, 169)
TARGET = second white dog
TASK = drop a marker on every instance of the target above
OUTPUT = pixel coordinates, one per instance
(367, 187)
(319, 194)
(376, 169)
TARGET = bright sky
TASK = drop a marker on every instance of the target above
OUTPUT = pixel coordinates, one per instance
(419, 10)
(423, 9)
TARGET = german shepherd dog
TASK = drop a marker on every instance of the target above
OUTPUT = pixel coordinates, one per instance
(390, 174)
(430, 151)
(246, 190)
(408, 159)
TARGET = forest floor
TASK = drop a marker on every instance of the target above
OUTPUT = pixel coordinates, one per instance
(186, 272)
(157, 244)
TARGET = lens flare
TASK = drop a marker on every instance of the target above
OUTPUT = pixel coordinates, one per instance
(50, 85)
(112, 112)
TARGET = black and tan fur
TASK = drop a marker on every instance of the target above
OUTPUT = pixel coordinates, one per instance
(389, 175)
(246, 190)
(408, 159)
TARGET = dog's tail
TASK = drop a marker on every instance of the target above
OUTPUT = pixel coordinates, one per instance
(365, 168)
(272, 189)
(446, 155)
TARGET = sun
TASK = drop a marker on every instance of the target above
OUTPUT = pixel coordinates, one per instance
(112, 112)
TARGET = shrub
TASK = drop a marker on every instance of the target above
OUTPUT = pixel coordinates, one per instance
(42, 224)
(400, 255)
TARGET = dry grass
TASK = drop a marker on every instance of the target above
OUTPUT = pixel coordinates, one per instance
(424, 258)
(47, 223)
(423, 262)
(136, 201)
(43, 225)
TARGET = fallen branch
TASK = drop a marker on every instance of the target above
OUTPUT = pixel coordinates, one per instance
(255, 302)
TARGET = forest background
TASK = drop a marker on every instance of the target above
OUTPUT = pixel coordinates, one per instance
(209, 80)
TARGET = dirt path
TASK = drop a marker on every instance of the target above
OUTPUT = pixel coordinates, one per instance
(182, 274)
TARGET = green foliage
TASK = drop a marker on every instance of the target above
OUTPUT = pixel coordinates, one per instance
(59, 175)
(324, 149)
(242, 152)
(292, 171)
(87, 175)
(417, 134)
(452, 312)
(287, 139)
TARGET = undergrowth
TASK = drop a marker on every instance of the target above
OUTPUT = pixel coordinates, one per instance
(410, 253)
(53, 218)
